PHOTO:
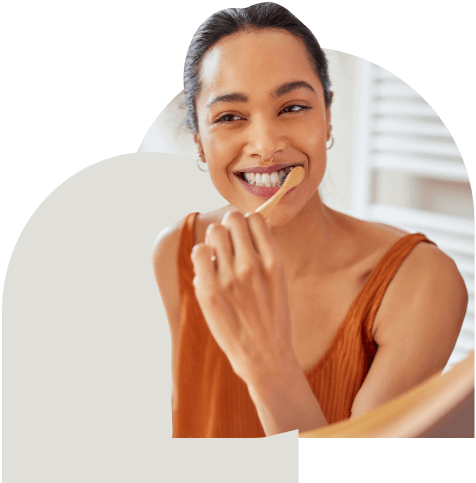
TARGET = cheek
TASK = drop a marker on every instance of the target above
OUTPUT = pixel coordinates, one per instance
(220, 155)
(314, 135)
(220, 151)
(313, 142)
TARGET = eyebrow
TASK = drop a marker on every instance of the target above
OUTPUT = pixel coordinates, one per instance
(278, 92)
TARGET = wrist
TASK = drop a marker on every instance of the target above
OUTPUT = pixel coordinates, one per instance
(285, 401)
(276, 382)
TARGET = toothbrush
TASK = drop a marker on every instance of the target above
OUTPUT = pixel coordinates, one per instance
(292, 179)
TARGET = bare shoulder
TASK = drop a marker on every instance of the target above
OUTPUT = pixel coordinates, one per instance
(422, 255)
(426, 296)
(427, 278)
(205, 219)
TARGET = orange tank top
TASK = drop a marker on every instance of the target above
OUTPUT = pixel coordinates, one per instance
(213, 402)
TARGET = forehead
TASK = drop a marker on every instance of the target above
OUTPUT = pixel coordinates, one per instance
(255, 61)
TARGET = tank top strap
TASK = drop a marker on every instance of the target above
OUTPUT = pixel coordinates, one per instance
(389, 264)
(382, 275)
(186, 243)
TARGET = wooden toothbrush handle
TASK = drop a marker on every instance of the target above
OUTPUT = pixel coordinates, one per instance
(291, 181)
(266, 208)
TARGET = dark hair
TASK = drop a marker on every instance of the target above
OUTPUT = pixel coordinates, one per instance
(234, 20)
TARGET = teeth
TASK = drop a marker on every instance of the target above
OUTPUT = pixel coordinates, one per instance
(270, 180)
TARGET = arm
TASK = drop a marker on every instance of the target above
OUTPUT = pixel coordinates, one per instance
(164, 264)
(419, 321)
(418, 324)
(287, 403)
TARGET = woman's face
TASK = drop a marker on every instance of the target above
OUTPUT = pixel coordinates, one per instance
(261, 98)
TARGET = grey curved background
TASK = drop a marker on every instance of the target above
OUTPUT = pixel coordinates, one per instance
(86, 345)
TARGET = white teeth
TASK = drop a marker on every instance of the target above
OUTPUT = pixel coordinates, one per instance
(270, 180)
(266, 179)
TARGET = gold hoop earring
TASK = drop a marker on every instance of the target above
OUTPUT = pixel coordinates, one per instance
(332, 143)
(269, 162)
(198, 166)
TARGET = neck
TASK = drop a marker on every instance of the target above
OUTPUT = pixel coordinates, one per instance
(309, 241)
(312, 242)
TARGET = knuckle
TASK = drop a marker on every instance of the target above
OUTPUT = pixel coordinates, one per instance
(199, 250)
(215, 230)
(206, 293)
(235, 215)
(273, 265)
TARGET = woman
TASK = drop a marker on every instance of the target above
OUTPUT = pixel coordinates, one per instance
(290, 322)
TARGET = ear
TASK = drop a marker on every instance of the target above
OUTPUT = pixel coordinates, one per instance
(328, 118)
(201, 154)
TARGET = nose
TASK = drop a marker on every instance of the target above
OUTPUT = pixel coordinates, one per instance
(264, 139)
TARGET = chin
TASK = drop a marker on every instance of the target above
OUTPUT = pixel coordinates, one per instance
(280, 217)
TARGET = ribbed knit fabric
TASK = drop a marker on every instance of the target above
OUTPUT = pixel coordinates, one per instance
(213, 402)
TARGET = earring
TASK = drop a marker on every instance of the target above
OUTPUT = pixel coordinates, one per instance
(269, 162)
(332, 143)
(198, 166)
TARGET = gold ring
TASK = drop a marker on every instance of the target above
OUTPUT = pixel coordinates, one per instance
(269, 162)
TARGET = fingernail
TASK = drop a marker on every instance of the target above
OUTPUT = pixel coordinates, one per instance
(248, 214)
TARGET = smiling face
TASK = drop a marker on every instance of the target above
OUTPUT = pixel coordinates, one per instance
(260, 98)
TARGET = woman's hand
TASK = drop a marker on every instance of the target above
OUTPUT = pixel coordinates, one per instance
(243, 295)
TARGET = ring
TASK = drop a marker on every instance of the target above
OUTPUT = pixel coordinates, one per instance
(214, 258)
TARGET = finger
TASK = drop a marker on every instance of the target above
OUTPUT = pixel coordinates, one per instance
(204, 268)
(248, 266)
(218, 237)
(240, 235)
(263, 239)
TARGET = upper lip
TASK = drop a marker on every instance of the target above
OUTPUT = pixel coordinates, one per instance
(268, 169)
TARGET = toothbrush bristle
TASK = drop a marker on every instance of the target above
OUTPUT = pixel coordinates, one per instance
(283, 179)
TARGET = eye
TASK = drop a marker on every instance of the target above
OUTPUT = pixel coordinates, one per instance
(295, 108)
(228, 118)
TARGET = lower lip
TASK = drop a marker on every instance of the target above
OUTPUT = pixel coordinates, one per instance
(262, 190)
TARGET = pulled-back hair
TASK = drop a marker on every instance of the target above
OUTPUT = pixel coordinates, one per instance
(234, 20)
